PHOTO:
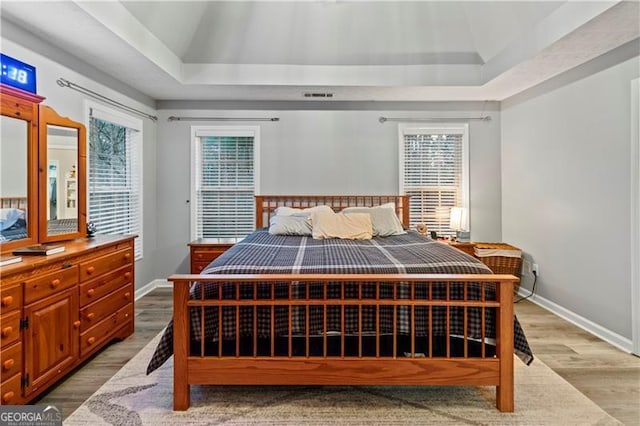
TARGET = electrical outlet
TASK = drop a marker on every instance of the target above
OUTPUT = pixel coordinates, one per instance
(536, 269)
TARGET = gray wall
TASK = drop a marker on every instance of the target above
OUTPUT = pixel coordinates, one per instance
(320, 152)
(70, 103)
(566, 191)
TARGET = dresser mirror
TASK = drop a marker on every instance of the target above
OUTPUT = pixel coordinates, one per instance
(62, 183)
(18, 171)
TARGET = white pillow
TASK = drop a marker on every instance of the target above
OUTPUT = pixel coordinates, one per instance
(384, 219)
(289, 225)
(290, 211)
(355, 226)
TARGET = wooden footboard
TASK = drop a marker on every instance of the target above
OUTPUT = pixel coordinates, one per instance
(392, 336)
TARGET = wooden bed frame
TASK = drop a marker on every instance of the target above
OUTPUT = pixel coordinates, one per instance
(236, 368)
(14, 202)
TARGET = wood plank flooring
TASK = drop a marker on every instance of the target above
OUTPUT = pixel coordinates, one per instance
(606, 375)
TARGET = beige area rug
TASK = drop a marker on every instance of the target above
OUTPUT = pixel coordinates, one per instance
(133, 398)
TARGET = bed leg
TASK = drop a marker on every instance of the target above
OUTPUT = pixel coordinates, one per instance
(504, 332)
(181, 395)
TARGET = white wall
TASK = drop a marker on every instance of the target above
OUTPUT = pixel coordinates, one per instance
(69, 103)
(318, 152)
(565, 192)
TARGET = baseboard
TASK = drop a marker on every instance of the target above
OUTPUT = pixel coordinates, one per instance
(589, 326)
(148, 288)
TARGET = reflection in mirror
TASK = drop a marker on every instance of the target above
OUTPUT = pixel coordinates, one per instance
(13, 179)
(62, 182)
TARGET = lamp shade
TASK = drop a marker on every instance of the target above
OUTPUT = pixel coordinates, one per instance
(458, 219)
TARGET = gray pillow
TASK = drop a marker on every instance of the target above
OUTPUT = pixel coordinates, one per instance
(384, 219)
(289, 225)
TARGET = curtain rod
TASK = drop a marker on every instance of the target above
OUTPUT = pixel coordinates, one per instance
(66, 83)
(436, 119)
(174, 118)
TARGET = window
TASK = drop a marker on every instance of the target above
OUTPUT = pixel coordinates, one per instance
(224, 181)
(434, 173)
(115, 171)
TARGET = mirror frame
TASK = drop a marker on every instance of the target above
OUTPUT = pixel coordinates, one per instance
(48, 116)
(23, 105)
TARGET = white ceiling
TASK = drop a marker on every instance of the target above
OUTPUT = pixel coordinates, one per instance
(358, 50)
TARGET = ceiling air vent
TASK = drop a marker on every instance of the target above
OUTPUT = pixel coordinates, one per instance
(318, 95)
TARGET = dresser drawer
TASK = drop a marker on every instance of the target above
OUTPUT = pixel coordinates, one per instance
(52, 283)
(95, 289)
(10, 391)
(10, 361)
(9, 328)
(101, 265)
(102, 331)
(10, 298)
(94, 313)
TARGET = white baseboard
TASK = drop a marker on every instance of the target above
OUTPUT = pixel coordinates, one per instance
(150, 287)
(589, 326)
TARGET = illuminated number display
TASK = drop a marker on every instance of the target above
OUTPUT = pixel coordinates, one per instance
(18, 74)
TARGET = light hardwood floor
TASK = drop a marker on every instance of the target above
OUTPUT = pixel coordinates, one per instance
(606, 375)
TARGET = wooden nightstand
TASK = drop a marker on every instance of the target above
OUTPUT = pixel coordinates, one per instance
(466, 247)
(203, 251)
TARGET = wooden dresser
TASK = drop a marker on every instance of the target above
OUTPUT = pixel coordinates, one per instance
(58, 310)
(203, 251)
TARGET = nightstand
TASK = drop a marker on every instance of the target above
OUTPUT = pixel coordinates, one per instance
(466, 247)
(203, 251)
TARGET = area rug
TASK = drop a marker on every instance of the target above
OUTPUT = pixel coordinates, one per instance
(133, 398)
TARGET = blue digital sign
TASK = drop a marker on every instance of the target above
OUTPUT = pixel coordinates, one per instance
(18, 74)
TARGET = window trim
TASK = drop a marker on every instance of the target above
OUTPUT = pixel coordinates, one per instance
(126, 120)
(200, 131)
(458, 128)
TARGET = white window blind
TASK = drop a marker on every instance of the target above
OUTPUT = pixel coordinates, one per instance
(433, 172)
(224, 182)
(115, 170)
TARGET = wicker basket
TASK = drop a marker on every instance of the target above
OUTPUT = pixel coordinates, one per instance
(492, 255)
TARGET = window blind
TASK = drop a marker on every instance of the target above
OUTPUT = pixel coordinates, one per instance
(115, 169)
(433, 175)
(225, 183)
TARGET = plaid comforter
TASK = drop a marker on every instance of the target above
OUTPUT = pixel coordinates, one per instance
(263, 253)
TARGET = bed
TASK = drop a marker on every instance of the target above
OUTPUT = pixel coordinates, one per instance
(401, 310)
(13, 214)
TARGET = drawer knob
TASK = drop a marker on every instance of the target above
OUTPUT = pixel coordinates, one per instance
(6, 332)
(127, 295)
(91, 270)
(7, 300)
(200, 256)
(76, 324)
(91, 340)
(8, 364)
(127, 275)
(91, 316)
(7, 397)
(91, 292)
(127, 256)
(55, 283)
(200, 268)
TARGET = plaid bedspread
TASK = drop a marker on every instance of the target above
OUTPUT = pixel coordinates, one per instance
(262, 253)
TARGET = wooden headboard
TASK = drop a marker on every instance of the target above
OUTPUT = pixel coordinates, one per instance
(267, 204)
(14, 202)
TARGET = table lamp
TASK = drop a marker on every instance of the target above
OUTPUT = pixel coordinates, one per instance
(458, 222)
